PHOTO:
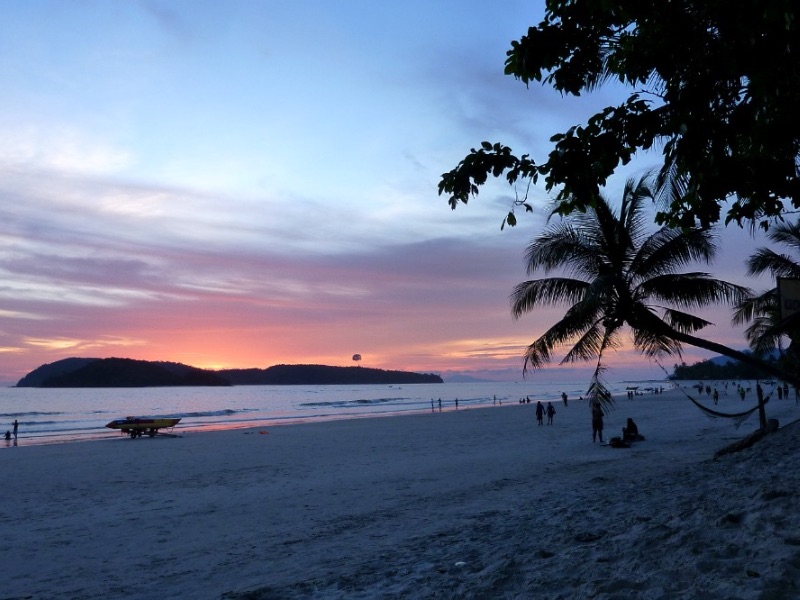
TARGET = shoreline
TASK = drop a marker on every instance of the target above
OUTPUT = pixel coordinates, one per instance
(186, 427)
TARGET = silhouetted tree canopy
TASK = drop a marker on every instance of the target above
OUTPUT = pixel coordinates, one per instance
(711, 370)
(715, 85)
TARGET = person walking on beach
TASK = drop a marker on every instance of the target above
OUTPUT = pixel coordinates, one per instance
(16, 427)
(456, 403)
(564, 398)
(440, 405)
(597, 421)
(539, 412)
(551, 411)
(432, 410)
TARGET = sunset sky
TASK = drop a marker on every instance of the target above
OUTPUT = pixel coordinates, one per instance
(249, 183)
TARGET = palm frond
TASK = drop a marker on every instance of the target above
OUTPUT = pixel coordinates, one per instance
(592, 343)
(598, 391)
(633, 218)
(682, 321)
(787, 234)
(756, 306)
(537, 293)
(670, 187)
(562, 246)
(668, 250)
(578, 320)
(692, 290)
(763, 335)
(651, 343)
(764, 260)
(612, 240)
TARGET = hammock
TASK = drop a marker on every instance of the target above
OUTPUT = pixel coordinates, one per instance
(737, 418)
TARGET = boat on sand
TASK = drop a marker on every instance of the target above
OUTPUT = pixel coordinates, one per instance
(137, 426)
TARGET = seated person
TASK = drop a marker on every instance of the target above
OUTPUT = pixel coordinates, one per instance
(630, 433)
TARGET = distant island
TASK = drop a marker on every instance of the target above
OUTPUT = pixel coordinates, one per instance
(126, 372)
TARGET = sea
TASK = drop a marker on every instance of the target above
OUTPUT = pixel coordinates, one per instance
(59, 415)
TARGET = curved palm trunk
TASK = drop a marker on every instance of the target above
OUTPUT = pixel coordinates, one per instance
(749, 359)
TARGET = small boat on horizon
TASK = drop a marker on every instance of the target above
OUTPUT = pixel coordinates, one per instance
(137, 426)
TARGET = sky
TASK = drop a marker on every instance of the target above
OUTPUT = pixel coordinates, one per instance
(251, 183)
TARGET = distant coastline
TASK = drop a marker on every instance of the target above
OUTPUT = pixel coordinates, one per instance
(126, 372)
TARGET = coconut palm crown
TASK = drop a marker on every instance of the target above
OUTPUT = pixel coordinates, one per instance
(616, 272)
(766, 330)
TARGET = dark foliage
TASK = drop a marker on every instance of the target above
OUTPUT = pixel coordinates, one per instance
(714, 370)
(714, 85)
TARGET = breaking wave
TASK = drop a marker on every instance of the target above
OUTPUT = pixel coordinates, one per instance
(348, 403)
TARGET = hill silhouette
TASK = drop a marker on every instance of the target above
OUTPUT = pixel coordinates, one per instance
(126, 372)
(118, 372)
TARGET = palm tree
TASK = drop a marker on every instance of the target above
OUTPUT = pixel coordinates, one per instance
(766, 330)
(615, 272)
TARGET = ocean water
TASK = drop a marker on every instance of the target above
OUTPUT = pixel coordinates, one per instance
(48, 415)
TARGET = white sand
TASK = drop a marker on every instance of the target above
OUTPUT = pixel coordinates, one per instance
(481, 503)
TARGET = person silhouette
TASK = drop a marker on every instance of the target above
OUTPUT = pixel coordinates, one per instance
(597, 421)
(551, 411)
(539, 412)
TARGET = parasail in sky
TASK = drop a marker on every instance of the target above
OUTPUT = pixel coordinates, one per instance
(356, 357)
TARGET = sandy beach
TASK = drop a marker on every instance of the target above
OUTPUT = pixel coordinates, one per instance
(480, 503)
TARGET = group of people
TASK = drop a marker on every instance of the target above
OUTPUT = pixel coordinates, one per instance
(541, 411)
(630, 433)
(742, 391)
(440, 404)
